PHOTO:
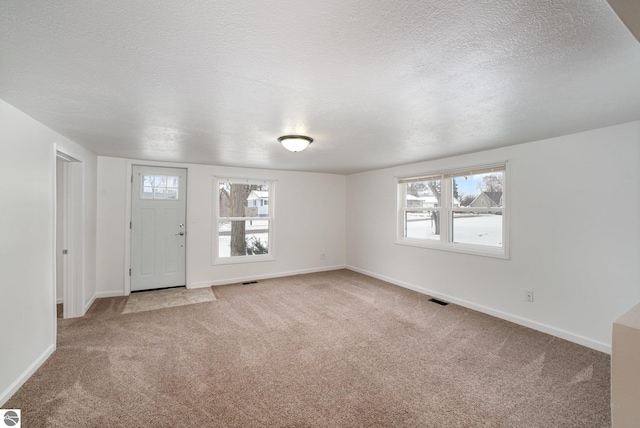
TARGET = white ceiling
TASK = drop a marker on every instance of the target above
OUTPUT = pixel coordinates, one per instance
(376, 82)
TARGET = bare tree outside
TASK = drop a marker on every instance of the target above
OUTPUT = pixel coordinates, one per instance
(434, 186)
(470, 211)
(235, 205)
(491, 183)
(417, 189)
(238, 195)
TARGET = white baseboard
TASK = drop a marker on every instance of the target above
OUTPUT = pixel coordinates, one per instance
(7, 393)
(258, 277)
(203, 284)
(88, 305)
(102, 294)
(59, 300)
(563, 334)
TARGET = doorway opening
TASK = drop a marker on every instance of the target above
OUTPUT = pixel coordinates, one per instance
(69, 236)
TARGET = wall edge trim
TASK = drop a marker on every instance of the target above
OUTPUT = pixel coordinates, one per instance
(13, 388)
(88, 305)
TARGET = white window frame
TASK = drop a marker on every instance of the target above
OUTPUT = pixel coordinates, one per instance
(446, 209)
(215, 251)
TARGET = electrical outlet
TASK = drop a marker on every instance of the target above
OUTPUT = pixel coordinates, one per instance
(528, 296)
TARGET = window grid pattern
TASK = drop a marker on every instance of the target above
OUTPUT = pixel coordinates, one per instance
(243, 221)
(161, 187)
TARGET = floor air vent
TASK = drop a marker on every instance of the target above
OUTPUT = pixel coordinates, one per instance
(440, 302)
(249, 282)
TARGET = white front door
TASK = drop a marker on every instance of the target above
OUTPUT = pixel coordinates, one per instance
(158, 232)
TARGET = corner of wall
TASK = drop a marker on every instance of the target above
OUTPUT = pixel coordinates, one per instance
(13, 388)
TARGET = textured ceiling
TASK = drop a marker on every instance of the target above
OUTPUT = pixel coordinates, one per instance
(376, 83)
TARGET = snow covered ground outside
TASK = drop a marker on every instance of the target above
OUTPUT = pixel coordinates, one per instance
(259, 227)
(481, 229)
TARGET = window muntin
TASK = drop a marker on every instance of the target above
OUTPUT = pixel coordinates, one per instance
(162, 187)
(445, 211)
(244, 220)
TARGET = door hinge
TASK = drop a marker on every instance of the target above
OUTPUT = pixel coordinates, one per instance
(65, 252)
(129, 225)
(129, 271)
(132, 178)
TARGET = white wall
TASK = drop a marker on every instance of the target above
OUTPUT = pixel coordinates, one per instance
(27, 277)
(309, 220)
(575, 235)
(110, 233)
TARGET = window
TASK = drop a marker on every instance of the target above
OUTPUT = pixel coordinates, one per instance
(458, 210)
(243, 220)
(159, 187)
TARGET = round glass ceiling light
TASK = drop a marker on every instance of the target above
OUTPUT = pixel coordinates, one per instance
(295, 143)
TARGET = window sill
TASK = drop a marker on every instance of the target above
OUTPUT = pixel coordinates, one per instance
(474, 250)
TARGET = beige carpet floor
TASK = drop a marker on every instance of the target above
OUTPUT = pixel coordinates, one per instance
(332, 349)
(160, 299)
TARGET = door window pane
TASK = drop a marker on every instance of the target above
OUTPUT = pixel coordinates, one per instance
(159, 187)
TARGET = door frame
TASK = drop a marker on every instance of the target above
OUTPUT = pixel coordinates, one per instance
(73, 233)
(128, 219)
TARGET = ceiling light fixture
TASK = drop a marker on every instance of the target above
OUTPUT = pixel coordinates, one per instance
(295, 143)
